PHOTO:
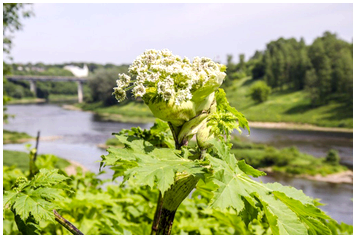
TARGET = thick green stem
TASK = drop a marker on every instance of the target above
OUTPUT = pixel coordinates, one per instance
(157, 214)
(167, 207)
(168, 204)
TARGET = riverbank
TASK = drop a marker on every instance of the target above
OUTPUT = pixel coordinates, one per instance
(72, 168)
(106, 116)
(129, 113)
(21, 160)
(345, 177)
(296, 126)
(13, 137)
(53, 98)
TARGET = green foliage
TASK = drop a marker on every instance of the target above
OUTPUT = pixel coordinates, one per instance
(101, 84)
(134, 112)
(227, 185)
(18, 90)
(288, 160)
(289, 106)
(260, 91)
(11, 21)
(287, 210)
(145, 164)
(324, 68)
(21, 160)
(332, 157)
(101, 207)
(224, 120)
(14, 137)
(33, 201)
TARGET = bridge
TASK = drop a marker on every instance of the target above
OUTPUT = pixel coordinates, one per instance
(34, 79)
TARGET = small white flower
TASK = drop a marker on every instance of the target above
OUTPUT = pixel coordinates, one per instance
(123, 81)
(139, 90)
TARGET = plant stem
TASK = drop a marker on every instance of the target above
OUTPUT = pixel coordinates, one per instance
(168, 204)
(69, 226)
(157, 214)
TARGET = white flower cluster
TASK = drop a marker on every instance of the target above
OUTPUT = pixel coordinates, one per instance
(167, 76)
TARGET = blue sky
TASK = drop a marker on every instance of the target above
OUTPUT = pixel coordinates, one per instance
(118, 33)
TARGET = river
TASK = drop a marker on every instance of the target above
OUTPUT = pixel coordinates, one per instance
(80, 133)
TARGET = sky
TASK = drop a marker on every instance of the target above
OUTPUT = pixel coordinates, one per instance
(117, 33)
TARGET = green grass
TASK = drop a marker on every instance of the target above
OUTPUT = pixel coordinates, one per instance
(288, 160)
(62, 97)
(15, 137)
(288, 106)
(130, 112)
(21, 160)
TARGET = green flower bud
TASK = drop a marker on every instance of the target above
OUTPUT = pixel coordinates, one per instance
(204, 135)
(119, 94)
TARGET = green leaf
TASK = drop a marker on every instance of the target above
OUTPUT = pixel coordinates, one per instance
(144, 164)
(39, 208)
(288, 210)
(249, 170)
(224, 106)
(153, 170)
(27, 228)
(47, 178)
(308, 213)
(36, 199)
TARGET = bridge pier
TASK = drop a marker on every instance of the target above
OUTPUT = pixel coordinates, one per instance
(33, 87)
(80, 91)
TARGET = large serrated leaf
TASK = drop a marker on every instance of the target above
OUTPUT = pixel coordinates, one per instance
(39, 208)
(153, 170)
(288, 210)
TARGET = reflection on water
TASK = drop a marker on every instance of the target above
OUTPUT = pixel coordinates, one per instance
(81, 133)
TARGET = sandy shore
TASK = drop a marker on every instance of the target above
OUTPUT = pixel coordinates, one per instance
(296, 126)
(42, 138)
(72, 168)
(71, 107)
(342, 177)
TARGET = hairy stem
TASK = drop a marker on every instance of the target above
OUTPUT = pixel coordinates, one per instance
(69, 226)
(168, 204)
(157, 214)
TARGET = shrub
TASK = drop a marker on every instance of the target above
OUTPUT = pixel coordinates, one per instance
(260, 91)
(332, 157)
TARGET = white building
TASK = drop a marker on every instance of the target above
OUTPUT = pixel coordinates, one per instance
(77, 71)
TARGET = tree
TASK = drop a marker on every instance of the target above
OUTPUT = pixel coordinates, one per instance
(322, 66)
(260, 91)
(101, 85)
(242, 64)
(11, 23)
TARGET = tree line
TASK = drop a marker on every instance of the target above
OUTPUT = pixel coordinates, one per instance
(324, 68)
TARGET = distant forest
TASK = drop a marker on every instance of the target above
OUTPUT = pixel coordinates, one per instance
(324, 69)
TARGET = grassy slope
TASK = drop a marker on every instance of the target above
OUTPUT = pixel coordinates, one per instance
(288, 106)
(21, 160)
